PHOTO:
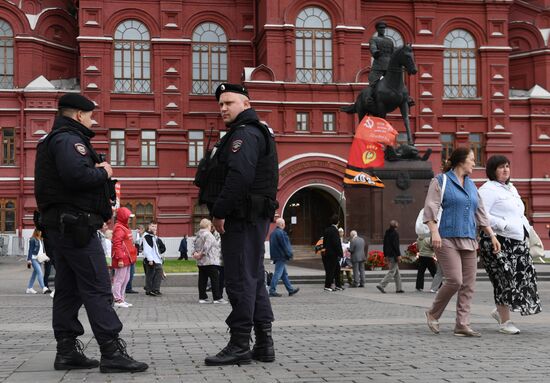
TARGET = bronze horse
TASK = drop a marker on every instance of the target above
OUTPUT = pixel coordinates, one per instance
(389, 92)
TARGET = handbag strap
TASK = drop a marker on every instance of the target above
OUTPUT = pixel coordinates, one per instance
(443, 186)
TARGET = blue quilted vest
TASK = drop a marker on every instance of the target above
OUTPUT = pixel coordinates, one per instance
(459, 208)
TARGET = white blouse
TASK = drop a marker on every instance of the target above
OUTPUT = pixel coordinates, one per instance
(505, 208)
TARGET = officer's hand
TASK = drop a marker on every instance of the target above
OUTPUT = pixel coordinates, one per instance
(107, 167)
(218, 224)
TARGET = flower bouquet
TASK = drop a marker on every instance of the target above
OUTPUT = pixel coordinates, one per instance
(375, 259)
(411, 254)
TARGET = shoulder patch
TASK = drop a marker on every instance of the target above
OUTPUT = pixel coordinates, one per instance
(236, 145)
(81, 149)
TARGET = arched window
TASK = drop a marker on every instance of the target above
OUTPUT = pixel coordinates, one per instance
(459, 65)
(209, 58)
(313, 46)
(6, 55)
(132, 57)
(394, 36)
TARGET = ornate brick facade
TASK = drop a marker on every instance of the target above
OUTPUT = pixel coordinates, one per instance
(73, 46)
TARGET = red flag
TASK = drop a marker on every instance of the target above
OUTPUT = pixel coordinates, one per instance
(376, 129)
(365, 154)
(367, 151)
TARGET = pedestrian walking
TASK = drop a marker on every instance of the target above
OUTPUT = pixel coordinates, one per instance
(238, 182)
(332, 256)
(73, 189)
(124, 255)
(183, 249)
(392, 253)
(207, 254)
(358, 258)
(511, 272)
(36, 247)
(280, 252)
(454, 237)
(152, 256)
(426, 260)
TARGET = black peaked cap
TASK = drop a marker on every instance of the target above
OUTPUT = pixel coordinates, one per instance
(76, 101)
(233, 88)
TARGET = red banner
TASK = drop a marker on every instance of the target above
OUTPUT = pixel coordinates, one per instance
(375, 129)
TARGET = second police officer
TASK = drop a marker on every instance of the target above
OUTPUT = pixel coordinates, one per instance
(238, 182)
(73, 188)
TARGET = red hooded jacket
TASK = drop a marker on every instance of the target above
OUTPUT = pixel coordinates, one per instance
(123, 246)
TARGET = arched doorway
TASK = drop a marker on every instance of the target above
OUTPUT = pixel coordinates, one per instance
(308, 211)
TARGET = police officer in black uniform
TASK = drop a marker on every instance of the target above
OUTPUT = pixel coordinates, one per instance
(240, 188)
(73, 188)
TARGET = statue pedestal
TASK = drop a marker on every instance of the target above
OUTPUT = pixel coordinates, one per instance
(369, 210)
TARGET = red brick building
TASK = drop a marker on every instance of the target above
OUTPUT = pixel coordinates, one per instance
(483, 81)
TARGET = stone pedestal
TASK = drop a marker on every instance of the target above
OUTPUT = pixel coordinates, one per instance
(369, 210)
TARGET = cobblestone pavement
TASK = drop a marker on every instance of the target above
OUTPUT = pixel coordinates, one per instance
(358, 335)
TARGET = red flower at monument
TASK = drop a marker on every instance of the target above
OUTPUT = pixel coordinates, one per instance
(376, 259)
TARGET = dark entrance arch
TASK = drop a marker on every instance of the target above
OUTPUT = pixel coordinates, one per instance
(310, 209)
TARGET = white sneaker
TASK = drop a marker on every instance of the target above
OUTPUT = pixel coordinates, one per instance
(508, 328)
(221, 301)
(495, 315)
(52, 294)
(202, 301)
(129, 304)
(46, 290)
(328, 289)
(30, 291)
(121, 304)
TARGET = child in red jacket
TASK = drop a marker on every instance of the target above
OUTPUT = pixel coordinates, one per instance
(124, 255)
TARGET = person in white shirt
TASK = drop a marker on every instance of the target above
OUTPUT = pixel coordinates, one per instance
(511, 271)
(151, 256)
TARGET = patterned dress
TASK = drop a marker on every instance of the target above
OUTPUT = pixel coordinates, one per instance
(512, 274)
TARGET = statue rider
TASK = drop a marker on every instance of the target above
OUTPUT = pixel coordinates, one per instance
(381, 48)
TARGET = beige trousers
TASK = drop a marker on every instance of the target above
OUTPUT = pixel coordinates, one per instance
(459, 275)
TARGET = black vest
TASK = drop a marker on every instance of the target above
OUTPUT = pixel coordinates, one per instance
(53, 197)
(213, 170)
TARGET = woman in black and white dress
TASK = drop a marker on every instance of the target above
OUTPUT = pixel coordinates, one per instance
(511, 271)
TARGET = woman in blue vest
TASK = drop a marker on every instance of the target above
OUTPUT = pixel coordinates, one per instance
(454, 237)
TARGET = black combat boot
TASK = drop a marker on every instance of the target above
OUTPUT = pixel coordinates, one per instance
(237, 351)
(263, 348)
(114, 358)
(70, 355)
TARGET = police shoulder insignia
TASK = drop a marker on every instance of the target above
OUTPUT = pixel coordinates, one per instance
(81, 149)
(236, 145)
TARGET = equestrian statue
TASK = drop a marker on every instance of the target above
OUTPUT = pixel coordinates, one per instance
(387, 91)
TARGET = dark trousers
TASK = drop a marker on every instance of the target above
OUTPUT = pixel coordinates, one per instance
(332, 271)
(47, 271)
(82, 278)
(221, 279)
(243, 258)
(213, 273)
(132, 272)
(423, 264)
(153, 276)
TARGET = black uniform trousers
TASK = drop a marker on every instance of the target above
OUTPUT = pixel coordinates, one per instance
(243, 258)
(82, 278)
